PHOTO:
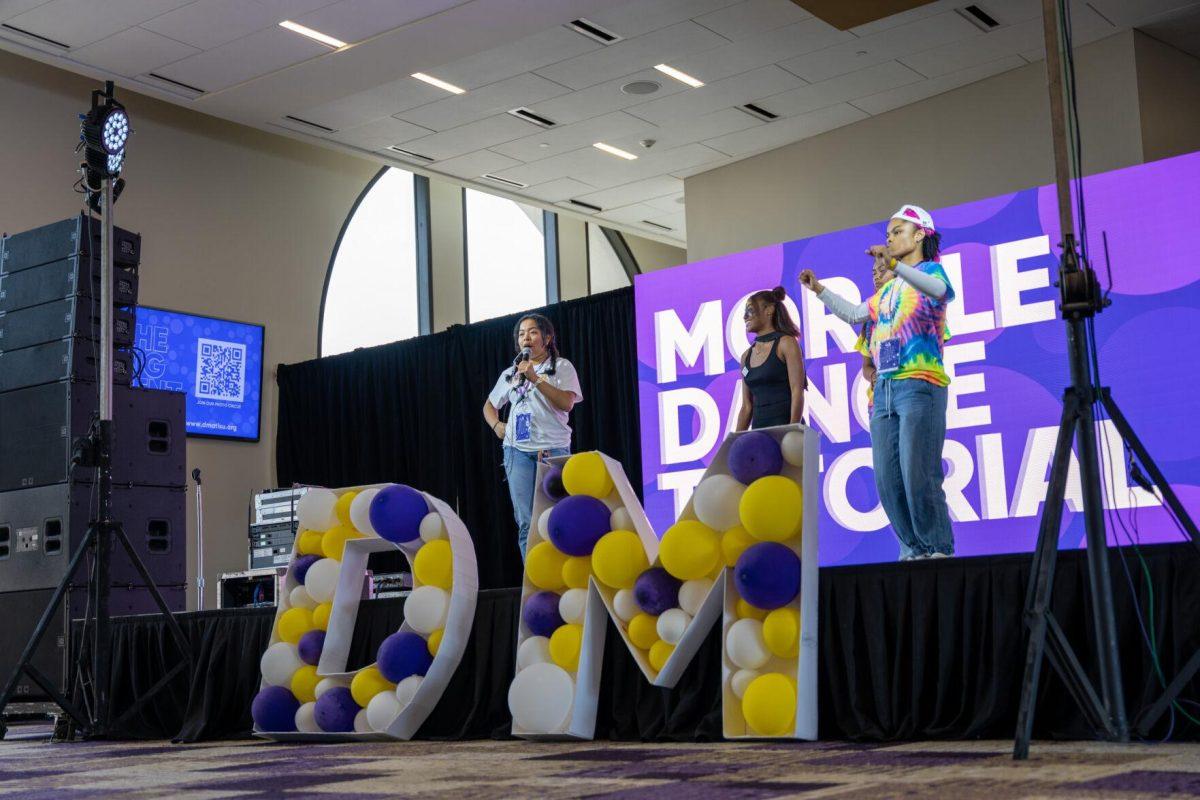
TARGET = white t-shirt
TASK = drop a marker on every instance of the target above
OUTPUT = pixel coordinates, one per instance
(547, 425)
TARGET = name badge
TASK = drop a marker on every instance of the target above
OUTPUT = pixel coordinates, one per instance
(889, 356)
(522, 426)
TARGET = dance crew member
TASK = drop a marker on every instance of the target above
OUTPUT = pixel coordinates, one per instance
(542, 387)
(905, 328)
(773, 367)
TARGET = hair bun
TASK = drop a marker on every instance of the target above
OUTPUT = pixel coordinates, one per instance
(778, 293)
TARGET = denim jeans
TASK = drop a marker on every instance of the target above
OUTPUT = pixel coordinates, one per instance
(908, 429)
(521, 468)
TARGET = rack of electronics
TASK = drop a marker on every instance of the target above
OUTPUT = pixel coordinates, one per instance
(49, 398)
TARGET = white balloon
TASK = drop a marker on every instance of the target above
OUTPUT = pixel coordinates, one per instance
(625, 604)
(425, 609)
(325, 684)
(534, 650)
(671, 625)
(406, 690)
(305, 720)
(745, 646)
(544, 524)
(279, 663)
(740, 680)
(300, 598)
(321, 580)
(360, 511)
(315, 509)
(432, 527)
(621, 520)
(692, 594)
(541, 697)
(716, 500)
(360, 722)
(570, 605)
(793, 448)
(382, 711)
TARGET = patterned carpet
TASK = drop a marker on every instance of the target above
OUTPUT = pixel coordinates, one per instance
(33, 770)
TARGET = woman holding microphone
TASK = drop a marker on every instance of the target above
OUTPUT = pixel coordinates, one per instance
(542, 387)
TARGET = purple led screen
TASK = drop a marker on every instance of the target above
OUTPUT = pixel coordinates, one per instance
(1007, 356)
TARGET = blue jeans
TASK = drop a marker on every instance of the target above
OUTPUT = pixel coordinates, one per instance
(908, 429)
(521, 468)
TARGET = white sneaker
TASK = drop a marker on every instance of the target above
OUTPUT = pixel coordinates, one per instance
(938, 555)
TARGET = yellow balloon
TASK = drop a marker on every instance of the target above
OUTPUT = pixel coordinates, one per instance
(294, 623)
(333, 543)
(689, 550)
(342, 508)
(733, 542)
(643, 631)
(309, 543)
(619, 558)
(320, 616)
(564, 646)
(772, 508)
(304, 683)
(586, 473)
(781, 632)
(746, 611)
(434, 564)
(769, 705)
(543, 565)
(435, 641)
(368, 683)
(660, 651)
(576, 571)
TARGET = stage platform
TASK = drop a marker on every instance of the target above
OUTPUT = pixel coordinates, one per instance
(921, 650)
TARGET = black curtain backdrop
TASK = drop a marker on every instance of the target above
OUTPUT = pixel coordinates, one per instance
(411, 412)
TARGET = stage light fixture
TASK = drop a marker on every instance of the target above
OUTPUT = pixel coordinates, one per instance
(105, 131)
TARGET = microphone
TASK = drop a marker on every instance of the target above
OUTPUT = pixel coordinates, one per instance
(524, 355)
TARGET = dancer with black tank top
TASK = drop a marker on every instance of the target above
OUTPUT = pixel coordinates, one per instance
(773, 367)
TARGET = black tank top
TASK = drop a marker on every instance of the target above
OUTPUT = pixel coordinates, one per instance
(769, 386)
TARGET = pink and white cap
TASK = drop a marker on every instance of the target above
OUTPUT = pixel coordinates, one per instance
(916, 215)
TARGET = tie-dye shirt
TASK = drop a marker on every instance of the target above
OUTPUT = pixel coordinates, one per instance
(916, 320)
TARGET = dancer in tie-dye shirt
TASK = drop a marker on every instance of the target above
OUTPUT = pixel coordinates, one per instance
(904, 331)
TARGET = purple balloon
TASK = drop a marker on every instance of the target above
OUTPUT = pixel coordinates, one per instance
(300, 567)
(767, 575)
(552, 484)
(336, 710)
(402, 654)
(310, 647)
(274, 709)
(577, 523)
(541, 613)
(754, 455)
(656, 590)
(397, 511)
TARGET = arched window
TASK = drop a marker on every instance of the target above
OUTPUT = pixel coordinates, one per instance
(371, 293)
(605, 270)
(506, 256)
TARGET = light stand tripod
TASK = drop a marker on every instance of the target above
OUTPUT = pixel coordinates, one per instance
(1081, 300)
(96, 451)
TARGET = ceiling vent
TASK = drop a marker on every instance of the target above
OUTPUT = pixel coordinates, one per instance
(586, 206)
(529, 116)
(504, 181)
(641, 87)
(656, 225)
(978, 17)
(173, 84)
(593, 31)
(758, 112)
(31, 35)
(308, 124)
(408, 153)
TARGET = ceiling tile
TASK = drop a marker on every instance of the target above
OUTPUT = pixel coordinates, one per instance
(786, 131)
(211, 23)
(495, 98)
(132, 52)
(389, 98)
(761, 49)
(605, 97)
(744, 88)
(635, 192)
(81, 22)
(243, 59)
(1086, 26)
(468, 138)
(290, 9)
(878, 48)
(629, 214)
(356, 20)
(1127, 14)
(558, 189)
(752, 16)
(524, 55)
(11, 8)
(669, 205)
(602, 170)
(472, 165)
(905, 95)
(675, 221)
(380, 133)
(631, 55)
(850, 86)
(979, 50)
(693, 129)
(643, 16)
(564, 138)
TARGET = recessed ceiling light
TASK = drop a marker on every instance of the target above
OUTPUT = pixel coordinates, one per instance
(432, 81)
(328, 41)
(682, 77)
(616, 151)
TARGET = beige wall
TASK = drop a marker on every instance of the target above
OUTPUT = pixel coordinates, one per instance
(652, 255)
(1168, 82)
(983, 139)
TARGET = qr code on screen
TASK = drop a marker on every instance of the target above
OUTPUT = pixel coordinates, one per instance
(220, 370)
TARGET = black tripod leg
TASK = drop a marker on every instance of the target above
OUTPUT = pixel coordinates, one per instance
(1041, 576)
(167, 614)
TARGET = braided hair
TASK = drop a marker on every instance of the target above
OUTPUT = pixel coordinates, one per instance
(544, 325)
